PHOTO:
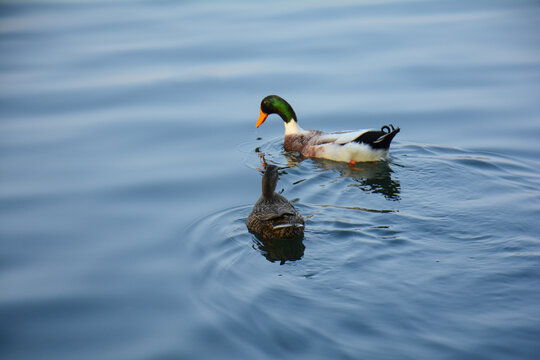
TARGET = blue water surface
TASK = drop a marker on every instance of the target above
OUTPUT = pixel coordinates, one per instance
(129, 162)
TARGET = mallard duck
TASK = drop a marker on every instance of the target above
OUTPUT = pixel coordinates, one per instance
(273, 216)
(348, 146)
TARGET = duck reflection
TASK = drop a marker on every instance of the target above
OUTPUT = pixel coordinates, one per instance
(375, 177)
(277, 225)
(281, 250)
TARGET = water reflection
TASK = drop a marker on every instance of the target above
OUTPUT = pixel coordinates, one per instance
(281, 250)
(372, 177)
(375, 177)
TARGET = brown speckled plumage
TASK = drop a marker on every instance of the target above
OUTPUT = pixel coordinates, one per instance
(273, 216)
(304, 143)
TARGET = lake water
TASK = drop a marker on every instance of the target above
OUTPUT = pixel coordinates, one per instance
(128, 165)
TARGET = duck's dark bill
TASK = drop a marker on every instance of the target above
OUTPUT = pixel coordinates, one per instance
(262, 117)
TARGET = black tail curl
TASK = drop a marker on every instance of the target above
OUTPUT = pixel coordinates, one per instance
(387, 134)
(388, 128)
(378, 139)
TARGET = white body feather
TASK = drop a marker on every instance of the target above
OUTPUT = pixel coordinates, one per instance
(341, 137)
(352, 151)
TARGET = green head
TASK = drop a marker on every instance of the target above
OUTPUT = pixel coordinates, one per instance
(273, 104)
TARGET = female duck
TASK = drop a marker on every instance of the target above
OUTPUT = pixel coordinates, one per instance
(348, 146)
(273, 216)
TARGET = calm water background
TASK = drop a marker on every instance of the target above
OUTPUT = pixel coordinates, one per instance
(128, 167)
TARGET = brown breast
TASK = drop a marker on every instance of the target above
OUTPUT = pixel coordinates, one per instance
(302, 143)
